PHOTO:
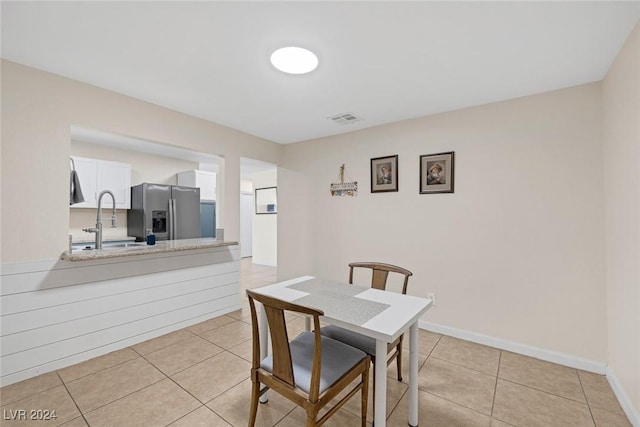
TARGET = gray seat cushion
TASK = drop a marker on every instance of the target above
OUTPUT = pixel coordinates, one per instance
(364, 343)
(337, 359)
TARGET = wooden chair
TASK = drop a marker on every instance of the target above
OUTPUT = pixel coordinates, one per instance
(380, 273)
(311, 370)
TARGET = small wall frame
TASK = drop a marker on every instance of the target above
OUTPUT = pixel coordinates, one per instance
(266, 200)
(384, 174)
(436, 173)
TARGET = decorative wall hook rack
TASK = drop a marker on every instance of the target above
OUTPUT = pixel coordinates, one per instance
(342, 188)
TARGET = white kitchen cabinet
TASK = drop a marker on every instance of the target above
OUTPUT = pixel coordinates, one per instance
(87, 174)
(204, 180)
(97, 175)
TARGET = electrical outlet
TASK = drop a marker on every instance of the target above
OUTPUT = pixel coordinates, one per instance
(432, 297)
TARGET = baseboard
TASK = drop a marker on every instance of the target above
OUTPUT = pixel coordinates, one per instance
(596, 367)
(627, 406)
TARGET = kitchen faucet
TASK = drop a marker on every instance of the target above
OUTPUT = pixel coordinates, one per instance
(98, 227)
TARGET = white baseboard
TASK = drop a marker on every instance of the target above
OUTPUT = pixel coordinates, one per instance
(596, 367)
(627, 406)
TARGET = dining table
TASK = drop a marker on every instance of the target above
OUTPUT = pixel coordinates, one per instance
(380, 314)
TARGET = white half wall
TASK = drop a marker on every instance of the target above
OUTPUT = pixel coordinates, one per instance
(57, 313)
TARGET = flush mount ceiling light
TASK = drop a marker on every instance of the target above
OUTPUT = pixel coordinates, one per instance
(294, 60)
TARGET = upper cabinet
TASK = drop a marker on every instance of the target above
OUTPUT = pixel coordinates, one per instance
(97, 175)
(204, 180)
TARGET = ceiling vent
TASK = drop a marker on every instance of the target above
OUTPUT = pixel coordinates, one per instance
(345, 118)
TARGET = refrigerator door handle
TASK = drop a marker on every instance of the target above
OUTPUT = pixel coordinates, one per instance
(171, 220)
(175, 219)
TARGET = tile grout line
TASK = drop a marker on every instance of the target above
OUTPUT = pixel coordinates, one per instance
(121, 397)
(99, 370)
(461, 366)
(495, 389)
(545, 392)
(185, 415)
(284, 417)
(444, 398)
(202, 404)
(456, 403)
(208, 358)
(72, 399)
(447, 399)
(4, 404)
(186, 391)
(188, 367)
(586, 398)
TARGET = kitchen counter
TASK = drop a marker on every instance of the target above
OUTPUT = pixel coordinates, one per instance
(136, 249)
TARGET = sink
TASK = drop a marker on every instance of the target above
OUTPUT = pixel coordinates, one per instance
(122, 245)
(109, 245)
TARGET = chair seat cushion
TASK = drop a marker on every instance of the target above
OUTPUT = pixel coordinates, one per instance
(337, 359)
(354, 339)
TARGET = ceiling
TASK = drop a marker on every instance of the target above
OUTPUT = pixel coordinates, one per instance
(381, 61)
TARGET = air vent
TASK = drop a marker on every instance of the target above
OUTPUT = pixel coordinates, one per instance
(345, 118)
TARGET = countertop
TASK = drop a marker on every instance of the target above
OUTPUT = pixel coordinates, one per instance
(135, 249)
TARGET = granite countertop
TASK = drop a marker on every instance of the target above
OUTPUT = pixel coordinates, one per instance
(134, 249)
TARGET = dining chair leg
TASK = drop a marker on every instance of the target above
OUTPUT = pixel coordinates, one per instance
(255, 395)
(311, 422)
(373, 405)
(365, 397)
(399, 360)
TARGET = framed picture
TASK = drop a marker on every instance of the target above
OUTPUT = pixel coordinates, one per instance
(384, 174)
(436, 173)
(266, 200)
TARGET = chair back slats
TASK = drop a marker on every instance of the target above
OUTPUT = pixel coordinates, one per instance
(380, 273)
(379, 279)
(282, 365)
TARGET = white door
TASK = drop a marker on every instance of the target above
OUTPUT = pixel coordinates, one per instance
(246, 224)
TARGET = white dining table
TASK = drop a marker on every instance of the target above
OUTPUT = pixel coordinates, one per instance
(382, 315)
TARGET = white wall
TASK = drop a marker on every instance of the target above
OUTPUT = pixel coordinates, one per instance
(515, 253)
(621, 99)
(265, 227)
(38, 110)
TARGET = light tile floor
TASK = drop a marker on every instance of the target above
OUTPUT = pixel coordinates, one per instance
(199, 376)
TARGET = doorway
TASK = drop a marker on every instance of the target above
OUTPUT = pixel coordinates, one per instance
(258, 232)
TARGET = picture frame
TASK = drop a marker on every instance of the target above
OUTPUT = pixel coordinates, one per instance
(384, 174)
(266, 200)
(437, 173)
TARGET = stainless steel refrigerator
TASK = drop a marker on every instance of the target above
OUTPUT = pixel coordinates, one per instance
(169, 211)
